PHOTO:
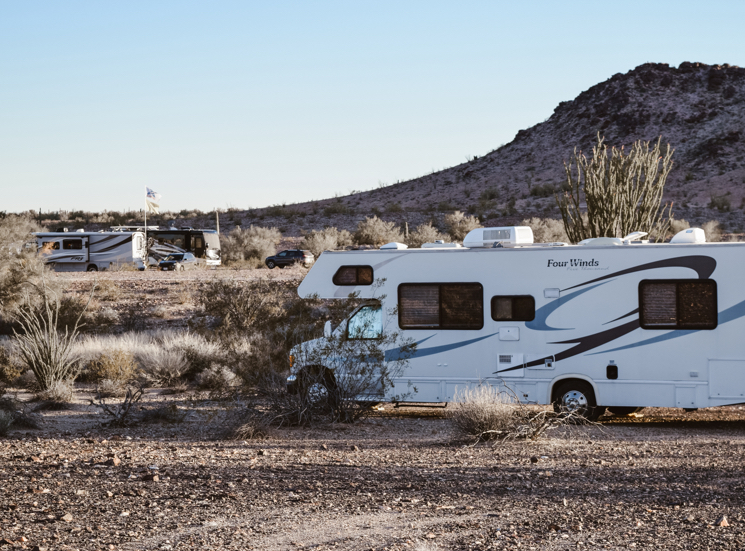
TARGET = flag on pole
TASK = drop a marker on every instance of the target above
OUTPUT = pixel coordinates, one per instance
(152, 201)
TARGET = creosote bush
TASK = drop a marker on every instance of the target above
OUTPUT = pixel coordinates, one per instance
(114, 365)
(329, 239)
(458, 224)
(546, 230)
(425, 233)
(252, 244)
(376, 232)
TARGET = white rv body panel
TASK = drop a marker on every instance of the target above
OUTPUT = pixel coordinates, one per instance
(81, 251)
(587, 302)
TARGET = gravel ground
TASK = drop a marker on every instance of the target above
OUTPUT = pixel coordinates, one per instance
(398, 480)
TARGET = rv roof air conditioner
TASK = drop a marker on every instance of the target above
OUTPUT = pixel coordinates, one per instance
(488, 237)
(691, 235)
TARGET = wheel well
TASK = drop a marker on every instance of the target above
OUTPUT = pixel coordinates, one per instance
(561, 382)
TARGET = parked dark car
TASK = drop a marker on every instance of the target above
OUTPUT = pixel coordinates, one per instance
(178, 262)
(288, 258)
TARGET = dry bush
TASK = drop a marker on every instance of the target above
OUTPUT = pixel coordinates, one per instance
(458, 224)
(114, 365)
(329, 239)
(119, 415)
(20, 416)
(217, 378)
(677, 226)
(426, 233)
(27, 381)
(162, 367)
(251, 425)
(376, 232)
(169, 413)
(200, 352)
(58, 392)
(546, 230)
(107, 290)
(254, 243)
(712, 230)
(487, 413)
(10, 370)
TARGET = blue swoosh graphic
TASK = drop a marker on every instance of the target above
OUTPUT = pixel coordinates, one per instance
(395, 353)
(541, 315)
(725, 316)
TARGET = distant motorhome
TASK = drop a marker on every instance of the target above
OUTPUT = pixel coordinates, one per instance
(91, 251)
(607, 323)
(203, 244)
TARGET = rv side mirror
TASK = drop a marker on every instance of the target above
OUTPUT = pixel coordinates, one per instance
(327, 330)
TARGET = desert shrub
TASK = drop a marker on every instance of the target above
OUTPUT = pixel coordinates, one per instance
(20, 266)
(376, 232)
(337, 208)
(168, 413)
(425, 233)
(678, 225)
(329, 239)
(58, 392)
(720, 202)
(161, 367)
(107, 290)
(712, 230)
(114, 365)
(218, 378)
(119, 415)
(487, 413)
(198, 351)
(458, 224)
(251, 425)
(544, 190)
(254, 243)
(9, 368)
(546, 230)
(27, 380)
(159, 311)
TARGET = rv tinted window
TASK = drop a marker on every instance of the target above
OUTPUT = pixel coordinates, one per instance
(678, 304)
(353, 275)
(513, 308)
(443, 306)
(72, 243)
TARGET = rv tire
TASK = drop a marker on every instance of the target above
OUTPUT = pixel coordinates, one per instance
(92, 268)
(576, 398)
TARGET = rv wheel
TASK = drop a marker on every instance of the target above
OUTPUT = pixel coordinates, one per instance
(317, 384)
(576, 398)
(92, 268)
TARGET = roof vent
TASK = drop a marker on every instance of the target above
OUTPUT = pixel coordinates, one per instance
(691, 235)
(601, 241)
(394, 245)
(487, 237)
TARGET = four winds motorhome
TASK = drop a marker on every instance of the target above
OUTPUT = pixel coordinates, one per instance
(608, 323)
(91, 251)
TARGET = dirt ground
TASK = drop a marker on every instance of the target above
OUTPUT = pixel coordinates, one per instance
(400, 479)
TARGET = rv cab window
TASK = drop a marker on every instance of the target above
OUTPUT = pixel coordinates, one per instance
(366, 323)
(513, 308)
(678, 304)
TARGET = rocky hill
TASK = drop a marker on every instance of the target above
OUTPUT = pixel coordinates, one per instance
(698, 109)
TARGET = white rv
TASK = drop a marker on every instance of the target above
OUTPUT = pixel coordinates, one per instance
(608, 323)
(91, 251)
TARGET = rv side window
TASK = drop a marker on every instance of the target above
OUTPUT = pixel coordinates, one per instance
(353, 275)
(367, 323)
(72, 243)
(50, 246)
(513, 308)
(441, 306)
(678, 304)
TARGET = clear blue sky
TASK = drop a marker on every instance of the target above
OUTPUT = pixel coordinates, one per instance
(246, 104)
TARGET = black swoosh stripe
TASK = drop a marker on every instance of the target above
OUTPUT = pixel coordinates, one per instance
(704, 266)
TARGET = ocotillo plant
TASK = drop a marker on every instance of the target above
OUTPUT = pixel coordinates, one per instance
(621, 193)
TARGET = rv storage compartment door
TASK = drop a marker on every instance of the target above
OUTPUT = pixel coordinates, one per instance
(510, 365)
(727, 379)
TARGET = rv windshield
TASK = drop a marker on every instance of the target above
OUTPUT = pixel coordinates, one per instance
(367, 323)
